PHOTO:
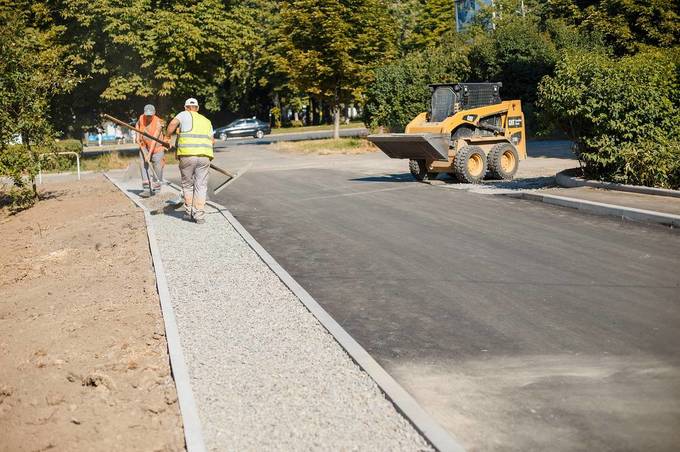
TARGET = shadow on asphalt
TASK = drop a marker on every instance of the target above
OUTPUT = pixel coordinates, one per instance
(559, 149)
(401, 177)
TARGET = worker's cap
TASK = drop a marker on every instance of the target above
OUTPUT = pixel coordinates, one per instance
(191, 102)
(149, 110)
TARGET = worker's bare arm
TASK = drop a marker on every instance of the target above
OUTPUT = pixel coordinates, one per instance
(172, 128)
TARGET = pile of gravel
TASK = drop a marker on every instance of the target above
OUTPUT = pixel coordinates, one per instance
(264, 372)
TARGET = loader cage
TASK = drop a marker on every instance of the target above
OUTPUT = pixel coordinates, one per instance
(450, 98)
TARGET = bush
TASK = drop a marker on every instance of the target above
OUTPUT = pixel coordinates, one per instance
(17, 164)
(518, 54)
(399, 91)
(55, 162)
(296, 123)
(620, 113)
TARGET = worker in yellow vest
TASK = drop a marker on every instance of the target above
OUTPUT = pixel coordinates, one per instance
(194, 150)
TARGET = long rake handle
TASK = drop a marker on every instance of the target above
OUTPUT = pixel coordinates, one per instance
(158, 140)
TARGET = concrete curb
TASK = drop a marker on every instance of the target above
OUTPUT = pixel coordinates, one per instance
(193, 432)
(565, 180)
(439, 438)
(598, 208)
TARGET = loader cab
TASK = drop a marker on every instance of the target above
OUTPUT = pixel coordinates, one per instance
(450, 98)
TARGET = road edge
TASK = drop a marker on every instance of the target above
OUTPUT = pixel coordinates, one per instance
(405, 404)
(598, 208)
(565, 180)
(193, 432)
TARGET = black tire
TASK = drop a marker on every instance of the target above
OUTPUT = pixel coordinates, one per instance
(418, 169)
(259, 134)
(503, 161)
(470, 164)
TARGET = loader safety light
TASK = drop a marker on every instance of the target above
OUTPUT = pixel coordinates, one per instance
(470, 118)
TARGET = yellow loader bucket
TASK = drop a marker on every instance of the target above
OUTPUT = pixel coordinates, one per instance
(417, 146)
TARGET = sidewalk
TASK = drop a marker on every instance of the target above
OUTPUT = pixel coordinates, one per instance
(265, 374)
(662, 204)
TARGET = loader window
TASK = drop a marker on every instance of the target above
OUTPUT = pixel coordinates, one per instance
(442, 103)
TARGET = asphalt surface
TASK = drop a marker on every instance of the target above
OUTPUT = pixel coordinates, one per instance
(517, 325)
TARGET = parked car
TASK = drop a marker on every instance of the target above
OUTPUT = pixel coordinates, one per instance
(250, 127)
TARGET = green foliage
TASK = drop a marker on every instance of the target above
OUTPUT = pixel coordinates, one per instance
(33, 69)
(400, 90)
(436, 19)
(324, 54)
(651, 163)
(628, 26)
(621, 113)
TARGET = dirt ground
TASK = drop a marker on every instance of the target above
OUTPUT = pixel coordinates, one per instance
(83, 355)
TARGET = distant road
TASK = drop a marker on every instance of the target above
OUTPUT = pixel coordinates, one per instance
(221, 144)
(297, 136)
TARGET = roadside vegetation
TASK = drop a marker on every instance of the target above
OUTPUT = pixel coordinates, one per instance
(347, 146)
(603, 73)
(300, 128)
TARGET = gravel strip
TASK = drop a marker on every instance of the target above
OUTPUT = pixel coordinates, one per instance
(501, 187)
(264, 372)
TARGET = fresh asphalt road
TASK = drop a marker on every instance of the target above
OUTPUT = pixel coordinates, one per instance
(517, 325)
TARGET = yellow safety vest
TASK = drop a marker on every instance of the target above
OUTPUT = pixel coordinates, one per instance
(197, 141)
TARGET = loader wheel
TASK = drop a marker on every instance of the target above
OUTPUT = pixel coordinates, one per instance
(503, 161)
(418, 169)
(470, 164)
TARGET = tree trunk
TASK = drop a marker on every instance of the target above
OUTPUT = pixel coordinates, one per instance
(336, 122)
(26, 139)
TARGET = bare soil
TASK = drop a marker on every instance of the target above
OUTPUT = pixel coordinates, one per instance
(83, 355)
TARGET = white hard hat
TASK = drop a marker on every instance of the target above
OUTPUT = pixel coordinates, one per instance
(191, 102)
(149, 110)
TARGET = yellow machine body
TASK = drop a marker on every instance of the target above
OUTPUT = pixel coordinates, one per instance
(496, 129)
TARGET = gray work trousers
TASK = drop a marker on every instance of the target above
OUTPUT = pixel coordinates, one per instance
(194, 172)
(157, 162)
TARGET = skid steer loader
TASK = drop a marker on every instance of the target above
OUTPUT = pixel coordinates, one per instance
(467, 132)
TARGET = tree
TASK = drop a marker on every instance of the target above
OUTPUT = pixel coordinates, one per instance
(330, 47)
(626, 25)
(436, 19)
(33, 69)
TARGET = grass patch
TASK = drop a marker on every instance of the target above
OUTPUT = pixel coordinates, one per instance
(318, 128)
(347, 146)
(103, 162)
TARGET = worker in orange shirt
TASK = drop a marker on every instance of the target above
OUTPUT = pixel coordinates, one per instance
(151, 152)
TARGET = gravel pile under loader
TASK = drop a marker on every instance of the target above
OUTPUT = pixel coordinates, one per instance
(468, 132)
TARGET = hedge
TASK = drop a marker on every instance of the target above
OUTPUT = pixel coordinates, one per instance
(622, 114)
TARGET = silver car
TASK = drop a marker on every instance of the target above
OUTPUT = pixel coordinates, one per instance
(251, 127)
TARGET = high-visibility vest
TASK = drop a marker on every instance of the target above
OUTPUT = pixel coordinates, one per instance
(198, 140)
(153, 128)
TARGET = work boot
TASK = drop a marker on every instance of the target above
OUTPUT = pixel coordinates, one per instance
(187, 217)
